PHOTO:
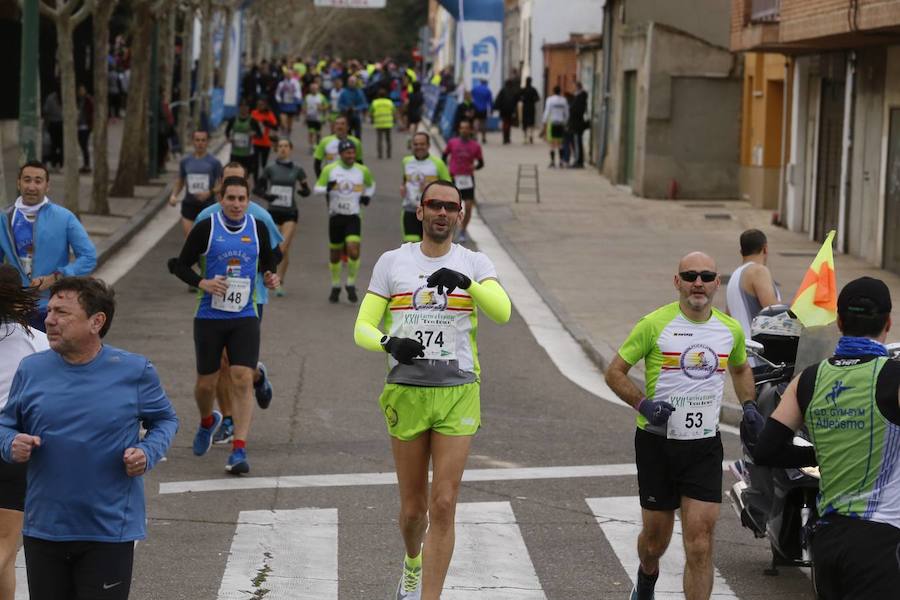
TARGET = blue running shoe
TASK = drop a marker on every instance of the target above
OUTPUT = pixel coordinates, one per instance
(225, 434)
(204, 437)
(237, 462)
(263, 388)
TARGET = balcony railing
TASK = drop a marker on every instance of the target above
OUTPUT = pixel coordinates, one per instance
(764, 11)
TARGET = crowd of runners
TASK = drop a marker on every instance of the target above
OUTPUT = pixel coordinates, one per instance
(420, 309)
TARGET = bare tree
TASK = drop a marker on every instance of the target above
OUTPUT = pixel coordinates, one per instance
(66, 16)
(187, 62)
(227, 9)
(133, 156)
(100, 188)
(167, 52)
(204, 68)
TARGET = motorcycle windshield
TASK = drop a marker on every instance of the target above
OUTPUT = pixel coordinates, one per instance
(815, 345)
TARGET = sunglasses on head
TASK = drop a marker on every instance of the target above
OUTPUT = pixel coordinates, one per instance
(437, 205)
(691, 276)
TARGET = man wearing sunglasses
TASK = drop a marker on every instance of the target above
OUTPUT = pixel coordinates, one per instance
(686, 347)
(429, 294)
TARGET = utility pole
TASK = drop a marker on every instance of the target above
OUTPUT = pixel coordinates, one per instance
(28, 81)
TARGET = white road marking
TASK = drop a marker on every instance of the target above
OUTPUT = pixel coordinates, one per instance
(620, 519)
(292, 554)
(364, 479)
(21, 576)
(490, 559)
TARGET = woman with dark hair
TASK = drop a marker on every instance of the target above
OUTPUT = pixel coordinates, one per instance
(17, 340)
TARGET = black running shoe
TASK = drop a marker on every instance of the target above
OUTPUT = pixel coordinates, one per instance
(351, 294)
(335, 295)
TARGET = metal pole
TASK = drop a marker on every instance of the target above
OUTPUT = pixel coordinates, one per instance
(28, 81)
(153, 166)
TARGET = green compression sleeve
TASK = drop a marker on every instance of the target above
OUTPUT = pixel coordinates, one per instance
(490, 297)
(366, 333)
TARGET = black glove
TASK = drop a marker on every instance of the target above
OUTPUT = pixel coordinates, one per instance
(364, 200)
(450, 279)
(752, 424)
(404, 349)
(656, 411)
(269, 197)
(330, 185)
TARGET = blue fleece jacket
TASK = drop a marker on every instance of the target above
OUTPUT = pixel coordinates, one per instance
(260, 214)
(56, 232)
(352, 98)
(86, 416)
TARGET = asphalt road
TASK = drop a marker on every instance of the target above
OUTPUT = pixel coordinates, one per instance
(325, 421)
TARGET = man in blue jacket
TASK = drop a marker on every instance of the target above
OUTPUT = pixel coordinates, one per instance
(352, 103)
(484, 106)
(74, 414)
(36, 237)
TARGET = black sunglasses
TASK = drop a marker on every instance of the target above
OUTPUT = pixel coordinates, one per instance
(691, 276)
(437, 205)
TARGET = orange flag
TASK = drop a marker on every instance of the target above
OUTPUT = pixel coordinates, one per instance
(816, 300)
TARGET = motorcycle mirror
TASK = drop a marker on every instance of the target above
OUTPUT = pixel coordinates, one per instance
(893, 349)
(758, 348)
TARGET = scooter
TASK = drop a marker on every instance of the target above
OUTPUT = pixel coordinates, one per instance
(775, 503)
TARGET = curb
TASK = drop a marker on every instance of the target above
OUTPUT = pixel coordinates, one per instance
(601, 354)
(124, 234)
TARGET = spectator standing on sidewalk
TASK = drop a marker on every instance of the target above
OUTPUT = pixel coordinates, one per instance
(507, 102)
(75, 414)
(529, 98)
(53, 118)
(262, 145)
(383, 112)
(17, 340)
(37, 236)
(483, 100)
(114, 95)
(556, 115)
(578, 123)
(85, 126)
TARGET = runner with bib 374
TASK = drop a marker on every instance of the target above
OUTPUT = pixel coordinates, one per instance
(686, 347)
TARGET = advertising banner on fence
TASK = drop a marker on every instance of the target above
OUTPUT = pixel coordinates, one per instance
(481, 53)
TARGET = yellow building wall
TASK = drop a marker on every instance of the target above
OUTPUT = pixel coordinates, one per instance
(764, 96)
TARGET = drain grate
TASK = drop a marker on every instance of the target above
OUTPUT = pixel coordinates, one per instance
(717, 216)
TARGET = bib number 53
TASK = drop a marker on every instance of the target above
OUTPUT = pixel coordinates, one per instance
(693, 420)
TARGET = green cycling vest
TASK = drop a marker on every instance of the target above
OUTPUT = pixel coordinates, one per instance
(241, 133)
(858, 449)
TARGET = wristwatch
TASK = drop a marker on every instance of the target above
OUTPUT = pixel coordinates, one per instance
(384, 340)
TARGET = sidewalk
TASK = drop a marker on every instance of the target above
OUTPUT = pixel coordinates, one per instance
(602, 258)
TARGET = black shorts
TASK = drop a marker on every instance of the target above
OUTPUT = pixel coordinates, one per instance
(96, 570)
(468, 194)
(669, 469)
(314, 125)
(481, 114)
(411, 225)
(855, 559)
(248, 162)
(557, 130)
(283, 216)
(239, 336)
(340, 227)
(13, 485)
(190, 209)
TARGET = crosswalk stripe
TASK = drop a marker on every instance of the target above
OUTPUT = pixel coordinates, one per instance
(292, 554)
(620, 519)
(21, 577)
(490, 559)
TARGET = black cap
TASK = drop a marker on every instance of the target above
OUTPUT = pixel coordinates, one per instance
(865, 296)
(346, 145)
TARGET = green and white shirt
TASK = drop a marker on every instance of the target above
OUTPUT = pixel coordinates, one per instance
(327, 150)
(684, 364)
(419, 173)
(350, 184)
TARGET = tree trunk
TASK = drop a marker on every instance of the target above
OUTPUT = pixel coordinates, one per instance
(226, 47)
(72, 156)
(133, 154)
(187, 62)
(205, 66)
(167, 53)
(100, 188)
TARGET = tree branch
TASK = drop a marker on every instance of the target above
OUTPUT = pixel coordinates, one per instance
(87, 7)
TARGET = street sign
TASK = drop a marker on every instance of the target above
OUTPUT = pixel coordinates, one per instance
(351, 3)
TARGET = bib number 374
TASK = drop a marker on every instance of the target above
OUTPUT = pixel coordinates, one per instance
(696, 417)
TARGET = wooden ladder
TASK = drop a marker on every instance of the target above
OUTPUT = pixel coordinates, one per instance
(527, 181)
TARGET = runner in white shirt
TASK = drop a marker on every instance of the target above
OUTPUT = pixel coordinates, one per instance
(17, 341)
(289, 96)
(556, 115)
